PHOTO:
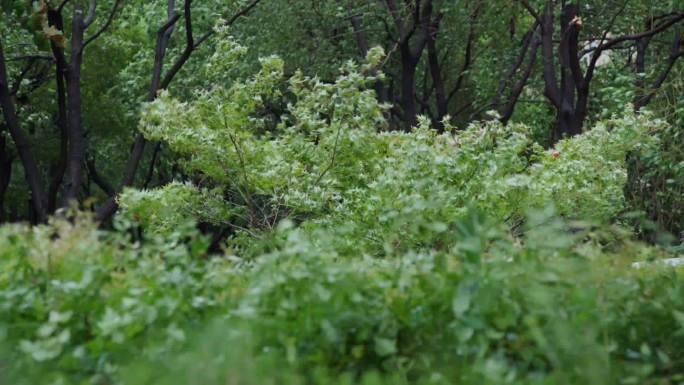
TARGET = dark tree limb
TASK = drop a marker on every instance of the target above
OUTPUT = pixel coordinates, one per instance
(507, 112)
(106, 25)
(62, 5)
(61, 70)
(77, 141)
(242, 12)
(5, 172)
(359, 35)
(674, 19)
(31, 171)
(532, 11)
(108, 209)
(640, 61)
(153, 161)
(420, 19)
(508, 76)
(362, 43)
(467, 55)
(21, 77)
(570, 96)
(551, 89)
(676, 52)
(90, 16)
(101, 182)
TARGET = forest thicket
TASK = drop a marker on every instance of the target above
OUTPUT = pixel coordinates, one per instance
(341, 192)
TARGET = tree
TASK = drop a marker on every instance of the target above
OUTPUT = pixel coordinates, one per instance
(570, 93)
(69, 170)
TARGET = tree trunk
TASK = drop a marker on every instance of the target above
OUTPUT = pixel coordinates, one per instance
(508, 110)
(59, 168)
(31, 171)
(108, 209)
(77, 143)
(438, 80)
(408, 86)
(362, 43)
(567, 124)
(5, 173)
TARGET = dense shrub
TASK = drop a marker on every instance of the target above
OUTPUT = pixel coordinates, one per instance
(656, 186)
(329, 162)
(77, 304)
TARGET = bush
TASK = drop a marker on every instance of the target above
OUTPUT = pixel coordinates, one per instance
(87, 306)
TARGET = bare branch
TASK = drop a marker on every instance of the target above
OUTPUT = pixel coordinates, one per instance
(105, 26)
(517, 89)
(37, 56)
(396, 16)
(531, 10)
(32, 173)
(551, 89)
(612, 42)
(62, 5)
(90, 17)
(508, 77)
(243, 12)
(675, 54)
(656, 30)
(98, 179)
(110, 207)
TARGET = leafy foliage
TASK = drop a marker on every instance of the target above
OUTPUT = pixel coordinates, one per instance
(79, 304)
(295, 232)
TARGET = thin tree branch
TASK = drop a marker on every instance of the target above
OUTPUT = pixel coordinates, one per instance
(61, 6)
(90, 17)
(101, 182)
(30, 57)
(675, 54)
(243, 12)
(106, 25)
(153, 161)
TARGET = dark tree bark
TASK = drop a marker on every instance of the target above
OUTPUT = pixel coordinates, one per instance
(31, 170)
(509, 108)
(101, 182)
(571, 111)
(362, 43)
(468, 60)
(77, 142)
(163, 35)
(417, 24)
(529, 47)
(570, 97)
(437, 78)
(59, 168)
(645, 95)
(640, 61)
(5, 172)
(408, 86)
